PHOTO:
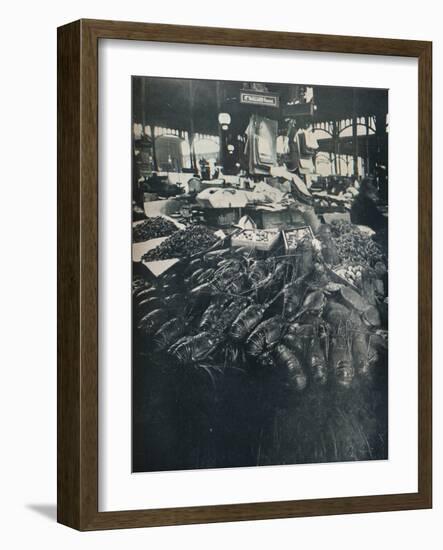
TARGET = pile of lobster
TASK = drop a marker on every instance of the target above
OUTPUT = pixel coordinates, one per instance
(230, 308)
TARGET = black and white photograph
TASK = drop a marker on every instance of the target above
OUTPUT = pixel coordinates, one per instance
(259, 274)
(222, 332)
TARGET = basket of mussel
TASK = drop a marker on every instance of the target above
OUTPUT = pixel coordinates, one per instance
(152, 228)
(185, 243)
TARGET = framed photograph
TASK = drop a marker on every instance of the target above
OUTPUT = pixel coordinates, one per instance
(244, 275)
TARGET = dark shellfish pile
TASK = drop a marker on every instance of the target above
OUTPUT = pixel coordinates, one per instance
(152, 228)
(183, 243)
(354, 247)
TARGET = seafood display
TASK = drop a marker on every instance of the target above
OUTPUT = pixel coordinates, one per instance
(152, 228)
(276, 330)
(183, 243)
(355, 247)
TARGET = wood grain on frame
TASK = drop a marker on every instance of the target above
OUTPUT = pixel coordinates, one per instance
(77, 173)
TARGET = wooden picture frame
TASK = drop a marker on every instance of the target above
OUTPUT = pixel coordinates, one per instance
(78, 274)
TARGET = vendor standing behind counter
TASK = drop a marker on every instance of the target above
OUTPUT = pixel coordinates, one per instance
(364, 210)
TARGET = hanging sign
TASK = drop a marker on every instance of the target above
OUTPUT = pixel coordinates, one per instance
(258, 98)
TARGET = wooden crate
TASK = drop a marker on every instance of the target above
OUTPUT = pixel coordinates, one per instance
(255, 241)
(299, 232)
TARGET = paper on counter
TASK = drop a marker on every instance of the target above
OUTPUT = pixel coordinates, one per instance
(158, 267)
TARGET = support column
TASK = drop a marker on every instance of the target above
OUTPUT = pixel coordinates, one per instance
(191, 124)
(354, 133)
(367, 146)
(335, 138)
(154, 153)
(221, 144)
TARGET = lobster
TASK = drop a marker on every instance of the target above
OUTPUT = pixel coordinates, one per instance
(192, 279)
(313, 304)
(285, 358)
(322, 332)
(150, 323)
(193, 265)
(139, 283)
(144, 293)
(230, 313)
(353, 299)
(292, 294)
(265, 335)
(246, 321)
(227, 263)
(224, 277)
(316, 361)
(149, 304)
(212, 284)
(209, 316)
(175, 345)
(206, 276)
(258, 271)
(298, 337)
(336, 314)
(276, 276)
(193, 349)
(340, 359)
(243, 252)
(214, 256)
(371, 317)
(169, 332)
(359, 347)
